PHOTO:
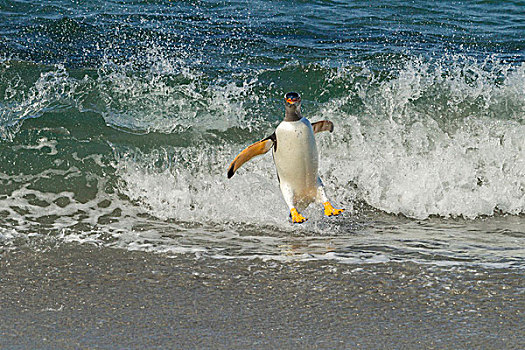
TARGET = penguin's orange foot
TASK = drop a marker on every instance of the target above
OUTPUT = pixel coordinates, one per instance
(296, 217)
(329, 210)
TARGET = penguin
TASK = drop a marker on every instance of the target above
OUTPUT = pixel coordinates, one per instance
(296, 159)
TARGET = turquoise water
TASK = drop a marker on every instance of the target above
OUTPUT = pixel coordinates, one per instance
(118, 120)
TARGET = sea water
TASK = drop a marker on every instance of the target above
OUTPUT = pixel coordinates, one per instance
(118, 120)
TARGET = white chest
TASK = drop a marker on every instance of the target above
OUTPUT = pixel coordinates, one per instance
(296, 156)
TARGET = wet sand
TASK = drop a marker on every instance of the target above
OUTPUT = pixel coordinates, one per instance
(80, 296)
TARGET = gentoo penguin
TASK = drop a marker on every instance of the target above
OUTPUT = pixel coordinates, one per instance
(296, 159)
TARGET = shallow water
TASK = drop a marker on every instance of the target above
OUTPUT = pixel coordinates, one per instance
(80, 296)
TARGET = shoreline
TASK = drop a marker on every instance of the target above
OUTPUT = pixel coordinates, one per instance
(83, 296)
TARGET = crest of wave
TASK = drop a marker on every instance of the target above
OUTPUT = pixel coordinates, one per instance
(22, 98)
(155, 92)
(436, 138)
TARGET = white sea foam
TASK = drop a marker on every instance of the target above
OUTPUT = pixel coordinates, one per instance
(195, 188)
(42, 142)
(411, 155)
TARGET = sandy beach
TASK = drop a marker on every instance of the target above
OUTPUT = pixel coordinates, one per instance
(80, 297)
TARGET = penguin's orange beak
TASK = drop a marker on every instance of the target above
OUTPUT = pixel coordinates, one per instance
(291, 100)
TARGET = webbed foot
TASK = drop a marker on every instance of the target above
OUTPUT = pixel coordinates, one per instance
(329, 210)
(296, 217)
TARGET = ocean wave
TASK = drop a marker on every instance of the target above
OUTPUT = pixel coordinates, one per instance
(422, 142)
(168, 96)
(431, 138)
(436, 139)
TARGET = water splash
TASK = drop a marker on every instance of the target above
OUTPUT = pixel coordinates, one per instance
(434, 141)
(168, 96)
(53, 89)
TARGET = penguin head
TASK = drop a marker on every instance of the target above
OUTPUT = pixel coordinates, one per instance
(292, 106)
(292, 99)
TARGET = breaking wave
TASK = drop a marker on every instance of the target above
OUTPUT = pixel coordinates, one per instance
(137, 158)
